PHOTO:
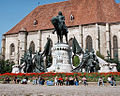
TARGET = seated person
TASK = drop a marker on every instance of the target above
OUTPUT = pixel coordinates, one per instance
(71, 81)
(100, 81)
(24, 81)
(84, 80)
(110, 81)
(15, 79)
(7, 80)
(113, 81)
(18, 80)
(60, 81)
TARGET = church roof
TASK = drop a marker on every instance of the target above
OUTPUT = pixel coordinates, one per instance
(83, 11)
(119, 5)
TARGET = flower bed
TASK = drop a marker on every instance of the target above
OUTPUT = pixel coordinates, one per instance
(92, 77)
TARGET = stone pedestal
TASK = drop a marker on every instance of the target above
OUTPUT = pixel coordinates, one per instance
(15, 69)
(113, 67)
(105, 68)
(61, 55)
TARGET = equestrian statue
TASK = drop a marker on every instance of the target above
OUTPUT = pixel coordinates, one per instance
(60, 27)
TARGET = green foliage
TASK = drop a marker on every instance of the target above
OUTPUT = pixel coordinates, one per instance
(117, 62)
(100, 55)
(6, 66)
(118, 67)
(76, 61)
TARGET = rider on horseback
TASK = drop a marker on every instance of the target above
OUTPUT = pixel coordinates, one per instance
(60, 27)
(61, 19)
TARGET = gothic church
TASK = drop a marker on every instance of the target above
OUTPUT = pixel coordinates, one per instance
(94, 23)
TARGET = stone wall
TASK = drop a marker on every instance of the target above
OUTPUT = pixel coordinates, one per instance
(9, 40)
(33, 36)
(115, 31)
(98, 32)
(102, 30)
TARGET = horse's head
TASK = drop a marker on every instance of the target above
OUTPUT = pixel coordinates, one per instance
(54, 21)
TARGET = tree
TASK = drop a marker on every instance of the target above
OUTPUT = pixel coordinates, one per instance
(6, 66)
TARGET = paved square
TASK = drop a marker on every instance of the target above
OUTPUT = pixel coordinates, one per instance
(38, 90)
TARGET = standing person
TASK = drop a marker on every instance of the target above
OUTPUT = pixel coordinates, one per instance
(84, 80)
(113, 81)
(34, 81)
(39, 80)
(100, 80)
(56, 81)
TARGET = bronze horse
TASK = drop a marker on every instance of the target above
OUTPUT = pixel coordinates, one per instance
(60, 29)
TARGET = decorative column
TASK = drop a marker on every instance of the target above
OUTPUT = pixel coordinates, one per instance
(119, 45)
(108, 40)
(39, 41)
(97, 38)
(22, 43)
(81, 35)
(3, 47)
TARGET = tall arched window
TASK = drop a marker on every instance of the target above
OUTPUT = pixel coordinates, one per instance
(12, 49)
(89, 43)
(115, 47)
(32, 46)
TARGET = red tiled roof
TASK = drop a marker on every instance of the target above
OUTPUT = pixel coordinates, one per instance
(84, 12)
(119, 5)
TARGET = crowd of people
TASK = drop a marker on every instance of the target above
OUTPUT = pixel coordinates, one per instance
(59, 81)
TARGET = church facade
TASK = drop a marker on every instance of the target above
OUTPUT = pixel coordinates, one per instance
(94, 23)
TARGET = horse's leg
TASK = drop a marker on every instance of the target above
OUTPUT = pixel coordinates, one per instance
(66, 38)
(61, 39)
(58, 38)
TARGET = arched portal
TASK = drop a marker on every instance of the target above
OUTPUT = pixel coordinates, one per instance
(12, 49)
(32, 46)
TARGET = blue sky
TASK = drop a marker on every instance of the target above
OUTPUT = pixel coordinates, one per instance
(13, 11)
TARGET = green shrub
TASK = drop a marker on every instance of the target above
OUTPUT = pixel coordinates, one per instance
(76, 61)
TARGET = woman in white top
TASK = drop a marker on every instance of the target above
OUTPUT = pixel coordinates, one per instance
(56, 81)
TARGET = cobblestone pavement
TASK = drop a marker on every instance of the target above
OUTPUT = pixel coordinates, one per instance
(38, 90)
